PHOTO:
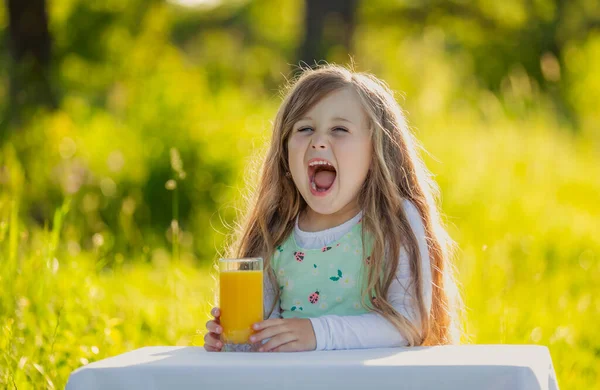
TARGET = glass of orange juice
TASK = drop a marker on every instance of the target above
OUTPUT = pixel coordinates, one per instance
(241, 300)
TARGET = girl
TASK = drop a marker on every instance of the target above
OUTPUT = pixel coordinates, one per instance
(346, 220)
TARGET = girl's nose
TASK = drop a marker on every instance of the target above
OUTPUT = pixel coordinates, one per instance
(319, 143)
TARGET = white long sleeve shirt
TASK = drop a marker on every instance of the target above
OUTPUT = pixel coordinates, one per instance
(370, 330)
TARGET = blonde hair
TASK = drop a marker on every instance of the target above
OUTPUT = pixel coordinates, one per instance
(397, 173)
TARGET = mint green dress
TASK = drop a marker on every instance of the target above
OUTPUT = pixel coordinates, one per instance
(329, 280)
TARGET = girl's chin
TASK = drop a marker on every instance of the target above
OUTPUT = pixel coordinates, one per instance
(323, 205)
(323, 211)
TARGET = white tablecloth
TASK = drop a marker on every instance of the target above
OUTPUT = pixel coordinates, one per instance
(515, 367)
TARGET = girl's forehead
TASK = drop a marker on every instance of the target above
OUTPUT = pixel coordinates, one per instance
(342, 104)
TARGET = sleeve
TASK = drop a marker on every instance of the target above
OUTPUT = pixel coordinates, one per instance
(372, 330)
(269, 296)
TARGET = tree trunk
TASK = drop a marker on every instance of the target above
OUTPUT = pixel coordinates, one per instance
(326, 24)
(29, 46)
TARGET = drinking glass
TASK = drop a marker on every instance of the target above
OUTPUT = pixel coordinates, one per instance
(241, 301)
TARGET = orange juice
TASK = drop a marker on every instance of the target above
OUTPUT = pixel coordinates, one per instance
(241, 303)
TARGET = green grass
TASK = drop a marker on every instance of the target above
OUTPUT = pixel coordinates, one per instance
(525, 210)
(523, 207)
(62, 315)
(104, 274)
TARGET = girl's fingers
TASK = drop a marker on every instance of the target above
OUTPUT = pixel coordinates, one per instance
(215, 312)
(214, 327)
(289, 347)
(277, 341)
(266, 333)
(211, 348)
(208, 348)
(212, 340)
(268, 323)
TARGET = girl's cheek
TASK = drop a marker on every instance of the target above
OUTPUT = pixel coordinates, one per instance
(296, 151)
(295, 143)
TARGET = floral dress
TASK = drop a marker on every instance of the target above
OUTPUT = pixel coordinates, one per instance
(329, 280)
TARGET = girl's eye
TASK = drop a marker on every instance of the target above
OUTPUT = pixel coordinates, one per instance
(304, 129)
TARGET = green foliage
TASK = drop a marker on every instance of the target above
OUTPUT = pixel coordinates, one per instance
(113, 207)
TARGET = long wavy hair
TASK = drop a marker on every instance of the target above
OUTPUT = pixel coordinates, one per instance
(396, 173)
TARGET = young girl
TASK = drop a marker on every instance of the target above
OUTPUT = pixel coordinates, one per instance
(346, 220)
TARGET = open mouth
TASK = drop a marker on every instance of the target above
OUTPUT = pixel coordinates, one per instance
(322, 175)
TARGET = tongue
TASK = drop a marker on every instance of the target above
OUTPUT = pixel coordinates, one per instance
(324, 179)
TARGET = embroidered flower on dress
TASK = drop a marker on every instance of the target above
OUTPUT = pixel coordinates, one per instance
(347, 282)
(281, 272)
(297, 305)
(337, 277)
(356, 305)
(338, 299)
(323, 306)
(288, 284)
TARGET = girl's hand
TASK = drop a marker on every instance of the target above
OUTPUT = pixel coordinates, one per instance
(286, 335)
(212, 340)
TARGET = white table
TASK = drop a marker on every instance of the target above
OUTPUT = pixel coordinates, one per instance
(515, 367)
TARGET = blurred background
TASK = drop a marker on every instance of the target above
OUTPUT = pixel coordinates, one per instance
(127, 129)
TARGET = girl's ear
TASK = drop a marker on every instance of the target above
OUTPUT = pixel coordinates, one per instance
(286, 169)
